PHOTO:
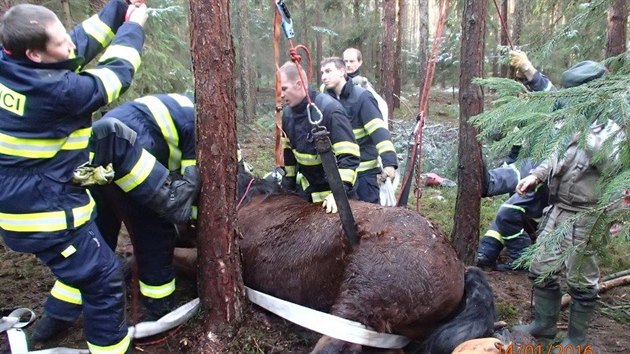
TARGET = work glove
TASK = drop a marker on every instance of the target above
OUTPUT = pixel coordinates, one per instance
(520, 61)
(388, 172)
(137, 14)
(329, 204)
(89, 175)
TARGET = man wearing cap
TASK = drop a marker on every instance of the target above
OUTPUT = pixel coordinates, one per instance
(571, 177)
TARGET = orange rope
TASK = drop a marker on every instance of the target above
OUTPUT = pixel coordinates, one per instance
(278, 152)
(503, 25)
(424, 102)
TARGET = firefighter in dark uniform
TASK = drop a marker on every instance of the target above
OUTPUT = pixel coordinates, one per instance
(517, 218)
(300, 155)
(46, 108)
(141, 138)
(368, 127)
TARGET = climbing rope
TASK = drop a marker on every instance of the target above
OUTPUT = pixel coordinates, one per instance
(503, 25)
(416, 150)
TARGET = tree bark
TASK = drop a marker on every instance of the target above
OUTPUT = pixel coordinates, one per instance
(423, 45)
(4, 6)
(398, 60)
(248, 83)
(67, 15)
(520, 12)
(219, 269)
(504, 35)
(318, 44)
(617, 20)
(465, 234)
(387, 54)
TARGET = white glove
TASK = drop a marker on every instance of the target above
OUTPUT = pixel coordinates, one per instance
(329, 204)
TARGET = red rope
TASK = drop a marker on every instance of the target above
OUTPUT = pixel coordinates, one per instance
(503, 25)
(424, 101)
(238, 206)
(297, 59)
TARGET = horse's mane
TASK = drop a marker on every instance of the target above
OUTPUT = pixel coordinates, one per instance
(250, 186)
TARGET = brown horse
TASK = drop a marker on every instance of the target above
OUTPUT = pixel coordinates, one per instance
(403, 277)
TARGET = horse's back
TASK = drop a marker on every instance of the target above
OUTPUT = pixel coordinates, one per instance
(403, 277)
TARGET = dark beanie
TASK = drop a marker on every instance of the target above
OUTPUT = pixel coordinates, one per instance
(582, 73)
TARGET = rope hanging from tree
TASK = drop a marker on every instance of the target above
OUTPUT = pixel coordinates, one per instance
(503, 24)
(416, 149)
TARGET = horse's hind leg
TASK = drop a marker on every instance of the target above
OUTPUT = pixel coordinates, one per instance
(329, 345)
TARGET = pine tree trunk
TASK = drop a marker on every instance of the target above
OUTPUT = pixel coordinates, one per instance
(387, 53)
(617, 20)
(398, 60)
(4, 6)
(66, 14)
(520, 11)
(318, 44)
(248, 83)
(423, 45)
(504, 35)
(220, 280)
(465, 234)
(495, 53)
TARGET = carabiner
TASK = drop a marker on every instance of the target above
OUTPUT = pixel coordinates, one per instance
(287, 22)
(308, 113)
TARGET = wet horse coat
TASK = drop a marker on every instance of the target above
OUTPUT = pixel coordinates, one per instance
(404, 277)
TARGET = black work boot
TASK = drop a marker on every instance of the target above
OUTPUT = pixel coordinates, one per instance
(579, 318)
(546, 313)
(174, 199)
(487, 253)
(48, 328)
(157, 308)
(515, 247)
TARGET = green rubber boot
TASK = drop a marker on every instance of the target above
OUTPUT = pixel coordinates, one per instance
(546, 313)
(579, 319)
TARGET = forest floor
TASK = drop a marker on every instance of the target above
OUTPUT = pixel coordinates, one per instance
(24, 282)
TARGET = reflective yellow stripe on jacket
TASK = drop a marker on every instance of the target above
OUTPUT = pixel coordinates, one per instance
(138, 173)
(98, 30)
(43, 148)
(163, 118)
(48, 221)
(110, 82)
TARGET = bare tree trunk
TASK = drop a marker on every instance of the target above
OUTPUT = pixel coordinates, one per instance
(617, 20)
(4, 6)
(504, 35)
(248, 83)
(318, 44)
(398, 61)
(219, 268)
(465, 233)
(387, 53)
(423, 46)
(356, 10)
(520, 12)
(66, 13)
(496, 53)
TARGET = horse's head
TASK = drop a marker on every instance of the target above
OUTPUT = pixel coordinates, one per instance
(250, 186)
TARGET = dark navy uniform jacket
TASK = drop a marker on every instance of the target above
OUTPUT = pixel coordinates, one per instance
(45, 124)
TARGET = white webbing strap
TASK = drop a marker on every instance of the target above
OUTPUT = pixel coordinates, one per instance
(326, 324)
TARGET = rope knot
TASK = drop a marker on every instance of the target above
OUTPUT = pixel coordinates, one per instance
(295, 57)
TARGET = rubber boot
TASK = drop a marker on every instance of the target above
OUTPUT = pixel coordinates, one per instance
(487, 253)
(48, 328)
(546, 313)
(515, 247)
(174, 199)
(157, 308)
(580, 316)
